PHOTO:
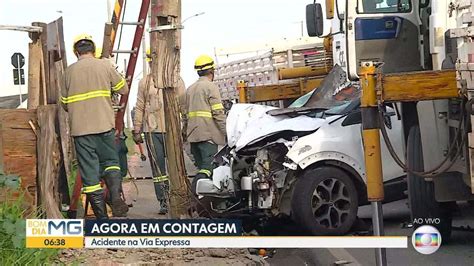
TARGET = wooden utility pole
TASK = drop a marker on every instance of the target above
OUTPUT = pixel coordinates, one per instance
(36, 67)
(165, 47)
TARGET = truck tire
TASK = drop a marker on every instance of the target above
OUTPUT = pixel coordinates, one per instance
(421, 194)
(325, 201)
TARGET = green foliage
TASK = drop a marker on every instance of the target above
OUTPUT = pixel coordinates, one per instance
(13, 238)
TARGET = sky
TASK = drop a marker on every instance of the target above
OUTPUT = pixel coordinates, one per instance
(224, 24)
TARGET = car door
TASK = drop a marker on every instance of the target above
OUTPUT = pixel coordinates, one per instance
(353, 123)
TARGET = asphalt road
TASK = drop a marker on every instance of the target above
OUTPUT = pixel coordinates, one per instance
(460, 251)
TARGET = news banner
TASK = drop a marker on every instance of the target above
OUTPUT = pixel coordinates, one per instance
(193, 233)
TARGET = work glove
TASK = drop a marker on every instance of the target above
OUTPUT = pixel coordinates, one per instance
(137, 137)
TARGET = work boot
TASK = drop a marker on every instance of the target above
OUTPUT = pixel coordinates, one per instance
(113, 181)
(161, 192)
(96, 199)
(108, 201)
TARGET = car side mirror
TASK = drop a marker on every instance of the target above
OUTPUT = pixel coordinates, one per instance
(314, 20)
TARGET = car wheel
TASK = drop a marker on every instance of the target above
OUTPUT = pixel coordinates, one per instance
(325, 201)
(421, 193)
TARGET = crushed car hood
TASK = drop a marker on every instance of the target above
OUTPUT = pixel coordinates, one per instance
(249, 123)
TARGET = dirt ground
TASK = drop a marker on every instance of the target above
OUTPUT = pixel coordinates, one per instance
(204, 257)
(140, 193)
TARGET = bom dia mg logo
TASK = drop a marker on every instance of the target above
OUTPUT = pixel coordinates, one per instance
(426, 239)
(54, 233)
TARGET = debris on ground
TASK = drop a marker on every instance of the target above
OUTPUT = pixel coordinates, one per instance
(204, 257)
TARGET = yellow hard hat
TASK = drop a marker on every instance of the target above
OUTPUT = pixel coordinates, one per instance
(81, 37)
(98, 52)
(204, 62)
(148, 55)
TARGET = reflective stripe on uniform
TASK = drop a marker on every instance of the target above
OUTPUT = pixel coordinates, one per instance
(217, 106)
(200, 114)
(112, 168)
(86, 96)
(119, 85)
(90, 189)
(162, 178)
(205, 171)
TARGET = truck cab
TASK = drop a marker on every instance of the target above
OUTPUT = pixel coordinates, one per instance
(406, 35)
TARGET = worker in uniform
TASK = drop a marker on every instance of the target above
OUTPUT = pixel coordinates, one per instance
(86, 95)
(120, 143)
(204, 123)
(149, 118)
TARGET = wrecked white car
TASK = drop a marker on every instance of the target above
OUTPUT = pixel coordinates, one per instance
(306, 164)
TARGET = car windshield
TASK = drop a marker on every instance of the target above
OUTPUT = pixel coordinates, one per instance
(344, 108)
(338, 110)
(383, 6)
(334, 92)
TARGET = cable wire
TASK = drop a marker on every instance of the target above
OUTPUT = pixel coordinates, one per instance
(452, 147)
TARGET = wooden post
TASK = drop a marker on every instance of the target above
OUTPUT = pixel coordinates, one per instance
(48, 161)
(44, 66)
(34, 70)
(107, 41)
(165, 71)
(35, 56)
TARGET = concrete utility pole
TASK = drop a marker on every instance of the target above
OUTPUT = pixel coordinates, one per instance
(165, 48)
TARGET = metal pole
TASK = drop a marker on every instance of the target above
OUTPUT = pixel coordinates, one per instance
(377, 221)
(127, 110)
(109, 10)
(21, 97)
(242, 87)
(145, 69)
(372, 153)
(19, 81)
(145, 63)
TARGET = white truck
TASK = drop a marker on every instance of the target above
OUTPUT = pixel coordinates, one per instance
(415, 39)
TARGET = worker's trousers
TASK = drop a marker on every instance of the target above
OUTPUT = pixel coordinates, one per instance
(97, 157)
(203, 153)
(155, 143)
(122, 151)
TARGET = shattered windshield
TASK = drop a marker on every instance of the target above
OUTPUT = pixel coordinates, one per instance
(344, 108)
(334, 91)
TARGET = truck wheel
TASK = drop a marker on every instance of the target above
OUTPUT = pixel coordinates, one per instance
(325, 201)
(421, 194)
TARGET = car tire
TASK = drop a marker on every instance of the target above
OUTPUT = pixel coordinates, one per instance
(325, 201)
(421, 193)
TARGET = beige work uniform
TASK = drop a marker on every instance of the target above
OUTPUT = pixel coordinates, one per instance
(149, 117)
(205, 113)
(86, 94)
(149, 110)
